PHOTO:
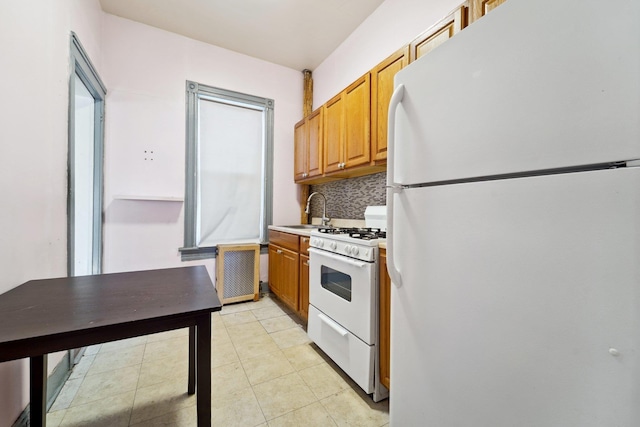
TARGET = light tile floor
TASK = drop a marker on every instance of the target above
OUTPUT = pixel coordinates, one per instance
(265, 372)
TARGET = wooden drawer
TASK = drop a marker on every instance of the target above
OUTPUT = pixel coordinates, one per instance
(286, 240)
(304, 245)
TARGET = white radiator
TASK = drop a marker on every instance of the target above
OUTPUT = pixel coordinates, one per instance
(238, 272)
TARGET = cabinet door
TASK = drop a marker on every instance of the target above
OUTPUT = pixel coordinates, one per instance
(357, 99)
(275, 269)
(333, 134)
(300, 145)
(439, 33)
(304, 287)
(290, 277)
(314, 143)
(479, 8)
(381, 91)
(385, 320)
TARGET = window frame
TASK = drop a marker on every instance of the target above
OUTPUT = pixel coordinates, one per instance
(194, 93)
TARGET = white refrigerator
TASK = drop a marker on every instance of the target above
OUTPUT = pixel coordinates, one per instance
(514, 222)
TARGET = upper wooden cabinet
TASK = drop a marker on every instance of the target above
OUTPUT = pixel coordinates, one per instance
(333, 133)
(347, 125)
(300, 150)
(439, 33)
(308, 146)
(479, 8)
(381, 91)
(347, 136)
(357, 122)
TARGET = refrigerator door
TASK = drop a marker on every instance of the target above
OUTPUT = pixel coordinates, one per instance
(533, 85)
(520, 304)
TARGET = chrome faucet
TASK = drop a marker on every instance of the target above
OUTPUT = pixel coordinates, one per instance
(325, 220)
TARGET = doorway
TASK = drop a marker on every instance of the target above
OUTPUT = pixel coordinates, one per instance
(85, 164)
(85, 167)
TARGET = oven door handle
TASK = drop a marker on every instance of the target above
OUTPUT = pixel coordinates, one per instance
(339, 258)
(333, 325)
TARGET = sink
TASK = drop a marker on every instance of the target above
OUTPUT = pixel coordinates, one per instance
(301, 226)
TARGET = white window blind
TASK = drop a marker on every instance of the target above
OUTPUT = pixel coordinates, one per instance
(230, 190)
(228, 169)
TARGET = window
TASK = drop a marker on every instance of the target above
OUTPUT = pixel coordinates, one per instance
(229, 152)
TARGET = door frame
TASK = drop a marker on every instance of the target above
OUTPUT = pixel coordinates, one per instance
(82, 66)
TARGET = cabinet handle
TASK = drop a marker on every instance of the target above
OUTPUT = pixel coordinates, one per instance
(306, 263)
(278, 251)
(305, 240)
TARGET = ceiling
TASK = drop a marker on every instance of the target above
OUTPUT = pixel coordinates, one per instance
(298, 34)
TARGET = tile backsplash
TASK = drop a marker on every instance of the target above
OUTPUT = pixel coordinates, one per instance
(348, 198)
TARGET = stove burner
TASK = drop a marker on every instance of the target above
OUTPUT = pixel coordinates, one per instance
(369, 235)
(357, 233)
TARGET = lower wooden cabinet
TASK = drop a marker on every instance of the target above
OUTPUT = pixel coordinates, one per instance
(283, 274)
(385, 321)
(304, 287)
(289, 270)
(303, 306)
(289, 288)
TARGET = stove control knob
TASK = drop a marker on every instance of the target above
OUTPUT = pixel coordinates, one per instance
(320, 243)
(347, 249)
(333, 246)
(355, 250)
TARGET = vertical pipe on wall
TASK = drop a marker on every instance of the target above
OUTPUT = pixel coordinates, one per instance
(307, 101)
(307, 108)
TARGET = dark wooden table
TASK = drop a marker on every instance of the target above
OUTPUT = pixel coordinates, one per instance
(44, 316)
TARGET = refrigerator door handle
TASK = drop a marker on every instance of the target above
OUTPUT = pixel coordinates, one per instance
(392, 187)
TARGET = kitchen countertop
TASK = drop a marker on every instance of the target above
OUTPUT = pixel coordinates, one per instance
(291, 230)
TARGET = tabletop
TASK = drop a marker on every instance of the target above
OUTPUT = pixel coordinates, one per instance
(60, 307)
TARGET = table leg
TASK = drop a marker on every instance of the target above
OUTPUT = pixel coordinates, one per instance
(191, 388)
(203, 370)
(38, 391)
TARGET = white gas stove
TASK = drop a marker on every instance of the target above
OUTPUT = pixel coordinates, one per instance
(343, 301)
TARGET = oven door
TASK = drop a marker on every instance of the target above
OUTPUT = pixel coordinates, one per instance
(343, 288)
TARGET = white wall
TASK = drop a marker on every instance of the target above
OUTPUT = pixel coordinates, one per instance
(145, 70)
(392, 25)
(34, 72)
